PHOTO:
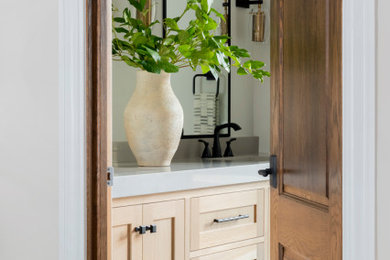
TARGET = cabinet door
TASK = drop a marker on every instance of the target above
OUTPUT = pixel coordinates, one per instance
(127, 244)
(168, 242)
(252, 252)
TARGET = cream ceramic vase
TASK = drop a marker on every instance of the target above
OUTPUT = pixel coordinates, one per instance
(153, 120)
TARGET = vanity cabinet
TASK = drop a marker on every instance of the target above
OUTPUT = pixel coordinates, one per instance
(228, 222)
(135, 239)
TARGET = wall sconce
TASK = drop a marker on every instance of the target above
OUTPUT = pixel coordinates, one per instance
(147, 18)
(224, 24)
(258, 19)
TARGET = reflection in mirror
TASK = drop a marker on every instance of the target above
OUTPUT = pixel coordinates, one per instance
(205, 101)
(243, 101)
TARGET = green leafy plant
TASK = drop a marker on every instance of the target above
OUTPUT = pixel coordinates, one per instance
(194, 46)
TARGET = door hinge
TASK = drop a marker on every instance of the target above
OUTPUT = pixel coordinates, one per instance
(110, 176)
(272, 171)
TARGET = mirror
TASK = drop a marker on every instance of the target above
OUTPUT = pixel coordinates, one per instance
(242, 99)
(205, 101)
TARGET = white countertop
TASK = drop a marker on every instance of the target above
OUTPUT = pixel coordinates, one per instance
(134, 181)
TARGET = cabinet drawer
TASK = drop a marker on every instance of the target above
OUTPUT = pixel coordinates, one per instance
(252, 252)
(226, 218)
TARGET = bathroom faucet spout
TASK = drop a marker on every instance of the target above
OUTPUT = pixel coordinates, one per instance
(216, 152)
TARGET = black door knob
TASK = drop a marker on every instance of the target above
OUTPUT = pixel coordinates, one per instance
(265, 172)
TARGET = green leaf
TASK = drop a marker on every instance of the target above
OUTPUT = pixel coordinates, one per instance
(205, 69)
(121, 30)
(218, 14)
(139, 5)
(223, 61)
(241, 71)
(171, 23)
(126, 15)
(168, 67)
(128, 61)
(206, 4)
(168, 41)
(151, 66)
(184, 36)
(119, 20)
(257, 64)
(185, 50)
(139, 39)
(210, 25)
(156, 57)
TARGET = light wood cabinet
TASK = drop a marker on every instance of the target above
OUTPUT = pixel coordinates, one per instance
(225, 218)
(251, 252)
(230, 223)
(166, 243)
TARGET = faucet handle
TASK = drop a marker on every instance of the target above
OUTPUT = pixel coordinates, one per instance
(228, 151)
(206, 152)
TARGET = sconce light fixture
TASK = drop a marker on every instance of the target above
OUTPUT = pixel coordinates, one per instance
(224, 24)
(146, 18)
(258, 19)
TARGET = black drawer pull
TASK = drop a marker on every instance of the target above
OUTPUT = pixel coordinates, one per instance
(222, 220)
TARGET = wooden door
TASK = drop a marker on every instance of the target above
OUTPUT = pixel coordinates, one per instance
(127, 243)
(98, 128)
(306, 207)
(168, 242)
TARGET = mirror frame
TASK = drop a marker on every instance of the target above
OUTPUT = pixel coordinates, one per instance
(228, 134)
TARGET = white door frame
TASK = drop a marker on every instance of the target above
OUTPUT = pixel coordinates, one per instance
(359, 124)
(72, 206)
(359, 86)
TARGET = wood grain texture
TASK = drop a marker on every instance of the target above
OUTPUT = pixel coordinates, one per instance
(252, 252)
(205, 233)
(127, 243)
(168, 243)
(97, 151)
(306, 129)
(219, 201)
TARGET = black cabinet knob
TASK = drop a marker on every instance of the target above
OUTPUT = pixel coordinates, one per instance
(152, 228)
(141, 230)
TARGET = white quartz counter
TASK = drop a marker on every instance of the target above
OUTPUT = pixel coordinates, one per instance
(133, 180)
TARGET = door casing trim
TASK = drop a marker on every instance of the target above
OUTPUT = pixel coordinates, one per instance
(72, 199)
(359, 129)
(359, 121)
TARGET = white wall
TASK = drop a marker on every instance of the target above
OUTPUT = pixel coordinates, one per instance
(29, 148)
(383, 130)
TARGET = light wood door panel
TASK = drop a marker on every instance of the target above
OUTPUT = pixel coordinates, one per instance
(204, 210)
(252, 252)
(306, 129)
(127, 244)
(168, 242)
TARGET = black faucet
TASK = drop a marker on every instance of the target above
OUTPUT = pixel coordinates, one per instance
(216, 145)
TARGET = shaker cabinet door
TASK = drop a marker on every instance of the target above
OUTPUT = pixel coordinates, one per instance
(127, 243)
(166, 242)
